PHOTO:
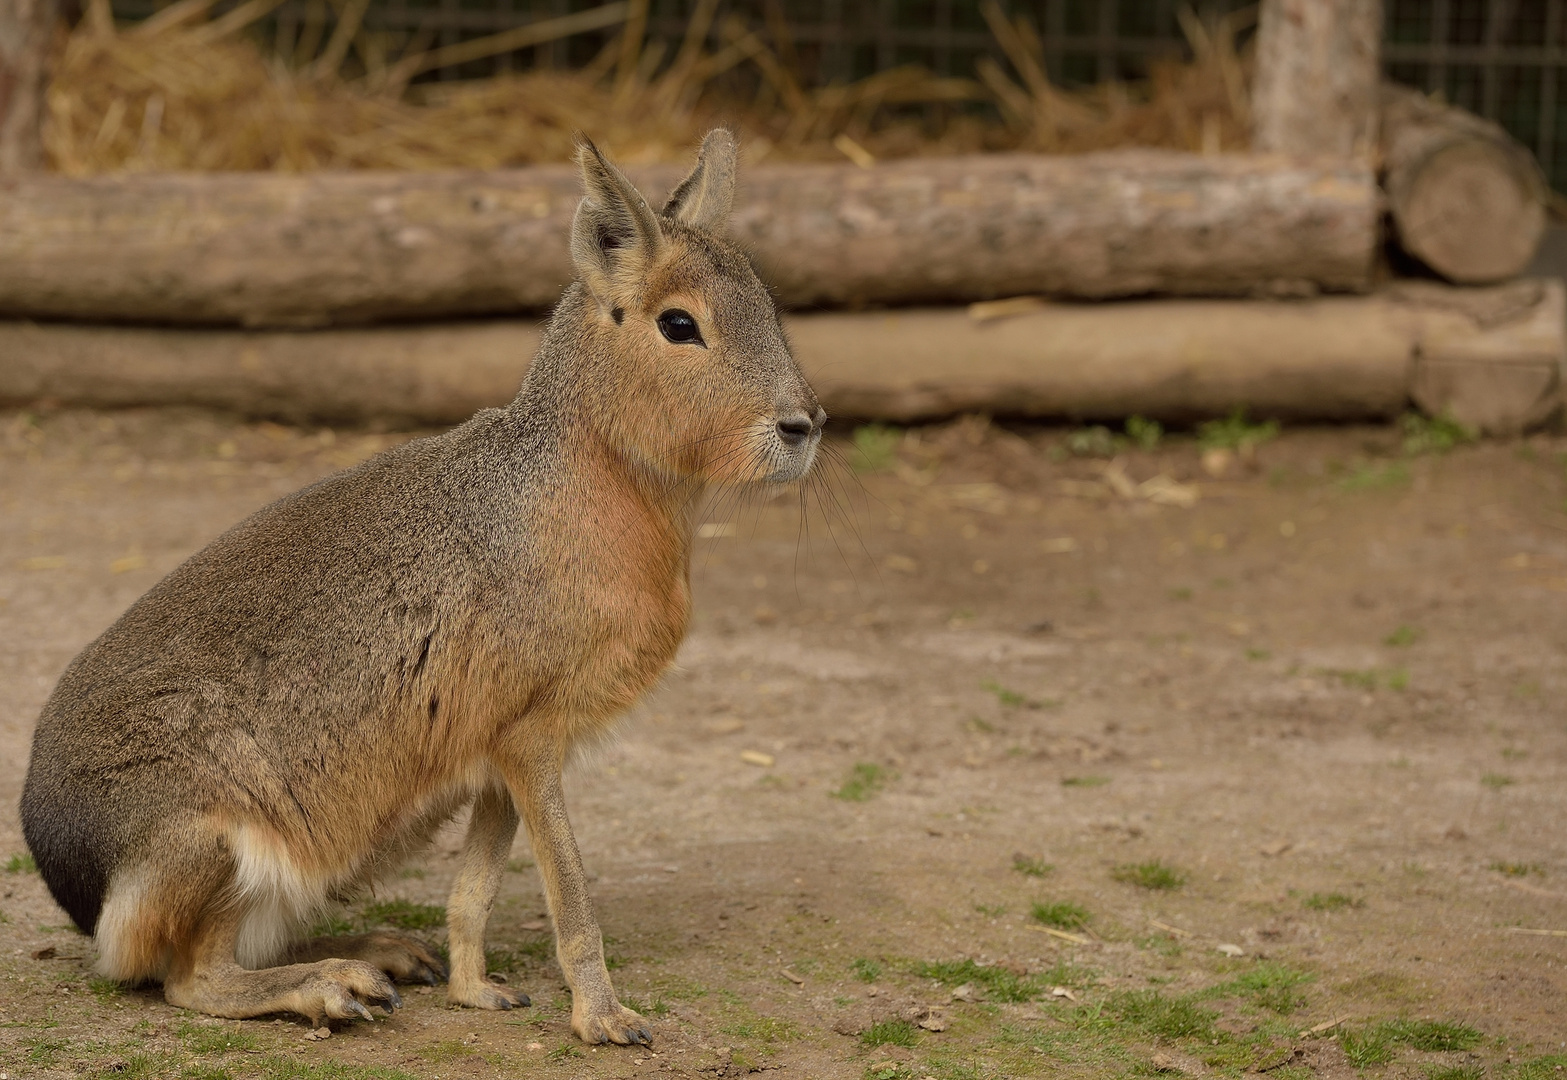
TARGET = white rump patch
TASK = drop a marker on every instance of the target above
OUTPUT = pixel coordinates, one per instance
(279, 899)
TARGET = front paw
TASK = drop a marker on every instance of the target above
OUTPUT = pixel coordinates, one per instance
(483, 994)
(616, 1024)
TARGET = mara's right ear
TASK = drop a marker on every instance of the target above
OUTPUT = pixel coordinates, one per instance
(615, 236)
(704, 198)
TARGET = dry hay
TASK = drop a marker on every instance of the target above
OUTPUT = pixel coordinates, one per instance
(183, 91)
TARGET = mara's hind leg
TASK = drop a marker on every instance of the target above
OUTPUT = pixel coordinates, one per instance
(205, 976)
(491, 829)
(404, 958)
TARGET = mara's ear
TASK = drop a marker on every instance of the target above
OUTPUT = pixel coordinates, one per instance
(615, 236)
(703, 199)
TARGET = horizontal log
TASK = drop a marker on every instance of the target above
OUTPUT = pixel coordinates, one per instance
(320, 249)
(1491, 357)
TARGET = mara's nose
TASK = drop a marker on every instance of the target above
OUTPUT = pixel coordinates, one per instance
(794, 430)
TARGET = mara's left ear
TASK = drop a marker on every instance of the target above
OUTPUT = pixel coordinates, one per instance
(703, 199)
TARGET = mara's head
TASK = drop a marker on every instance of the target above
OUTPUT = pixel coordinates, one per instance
(693, 375)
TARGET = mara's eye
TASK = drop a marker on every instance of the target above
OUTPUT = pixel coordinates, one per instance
(678, 326)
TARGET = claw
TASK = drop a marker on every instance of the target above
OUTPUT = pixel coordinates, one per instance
(428, 976)
(525, 1002)
(359, 1010)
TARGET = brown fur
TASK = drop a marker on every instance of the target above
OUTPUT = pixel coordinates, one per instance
(292, 711)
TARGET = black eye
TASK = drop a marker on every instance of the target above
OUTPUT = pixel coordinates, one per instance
(678, 326)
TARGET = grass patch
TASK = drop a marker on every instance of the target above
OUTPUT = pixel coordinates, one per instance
(1455, 1072)
(1011, 698)
(1258, 654)
(1268, 984)
(214, 1039)
(865, 780)
(1235, 432)
(1152, 1013)
(866, 969)
(764, 1029)
(334, 925)
(1333, 901)
(1063, 915)
(1497, 781)
(1549, 1067)
(21, 864)
(45, 1052)
(890, 1033)
(1030, 866)
(1085, 781)
(1376, 1045)
(105, 990)
(1402, 637)
(1154, 875)
(876, 447)
(1369, 477)
(1368, 678)
(1143, 432)
(1518, 869)
(999, 983)
(405, 915)
(1432, 434)
(653, 1007)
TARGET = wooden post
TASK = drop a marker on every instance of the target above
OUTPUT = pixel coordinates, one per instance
(26, 35)
(1318, 71)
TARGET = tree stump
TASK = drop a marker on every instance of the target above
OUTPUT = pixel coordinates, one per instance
(1318, 67)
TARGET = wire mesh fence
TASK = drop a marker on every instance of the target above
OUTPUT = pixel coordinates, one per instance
(1503, 59)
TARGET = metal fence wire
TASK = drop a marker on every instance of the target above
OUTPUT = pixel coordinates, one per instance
(1503, 59)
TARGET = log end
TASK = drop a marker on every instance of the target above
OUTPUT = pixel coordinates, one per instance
(1472, 213)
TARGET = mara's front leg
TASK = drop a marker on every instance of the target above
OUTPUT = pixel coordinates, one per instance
(491, 827)
(597, 1016)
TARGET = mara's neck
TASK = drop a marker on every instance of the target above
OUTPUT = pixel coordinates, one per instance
(568, 401)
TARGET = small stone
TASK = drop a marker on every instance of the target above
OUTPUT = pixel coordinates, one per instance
(322, 1032)
(880, 1065)
(46, 953)
(966, 992)
(757, 758)
(535, 1046)
(933, 1021)
(1165, 1063)
(1232, 950)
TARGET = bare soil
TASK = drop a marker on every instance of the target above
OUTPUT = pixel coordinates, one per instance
(1327, 697)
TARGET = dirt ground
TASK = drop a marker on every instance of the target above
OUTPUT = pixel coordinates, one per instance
(1048, 764)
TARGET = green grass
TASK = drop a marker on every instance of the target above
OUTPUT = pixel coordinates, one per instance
(1370, 477)
(763, 1029)
(1235, 432)
(1518, 869)
(1152, 1013)
(1376, 1045)
(1258, 654)
(21, 864)
(1030, 866)
(1144, 433)
(105, 990)
(1333, 901)
(999, 983)
(1432, 434)
(333, 925)
(1010, 698)
(1269, 985)
(876, 447)
(1549, 1067)
(1063, 915)
(1084, 781)
(890, 1033)
(1497, 781)
(1154, 875)
(866, 969)
(1368, 678)
(214, 1039)
(405, 915)
(1455, 1072)
(865, 780)
(1402, 637)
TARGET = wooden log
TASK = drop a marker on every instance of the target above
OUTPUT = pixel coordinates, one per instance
(26, 34)
(1331, 358)
(1467, 199)
(1318, 68)
(264, 249)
